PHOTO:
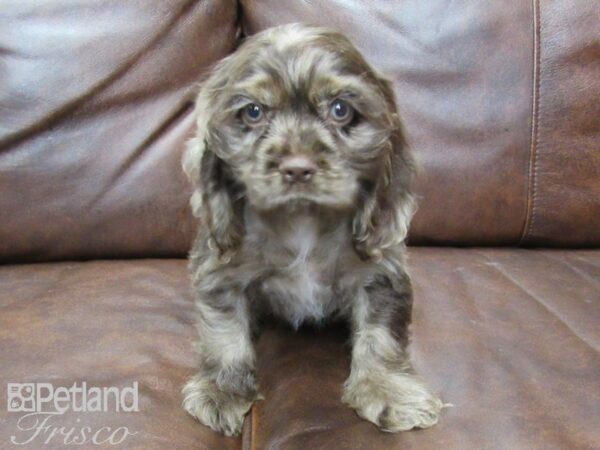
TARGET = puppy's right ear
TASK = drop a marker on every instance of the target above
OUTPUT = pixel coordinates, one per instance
(215, 199)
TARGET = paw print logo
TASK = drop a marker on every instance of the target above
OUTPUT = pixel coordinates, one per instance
(20, 397)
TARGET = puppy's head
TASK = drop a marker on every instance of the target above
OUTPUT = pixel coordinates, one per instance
(296, 115)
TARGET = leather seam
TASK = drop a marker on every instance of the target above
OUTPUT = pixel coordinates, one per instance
(533, 151)
(252, 426)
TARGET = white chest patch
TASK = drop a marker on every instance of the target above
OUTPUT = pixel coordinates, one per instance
(302, 289)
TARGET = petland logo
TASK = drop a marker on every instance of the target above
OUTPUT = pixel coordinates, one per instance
(42, 402)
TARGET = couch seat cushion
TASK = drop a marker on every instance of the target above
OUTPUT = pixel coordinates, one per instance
(510, 337)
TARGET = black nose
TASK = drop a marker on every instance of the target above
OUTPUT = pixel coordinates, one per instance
(297, 169)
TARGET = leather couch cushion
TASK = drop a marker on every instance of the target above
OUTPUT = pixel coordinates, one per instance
(564, 201)
(510, 337)
(108, 324)
(96, 100)
(500, 103)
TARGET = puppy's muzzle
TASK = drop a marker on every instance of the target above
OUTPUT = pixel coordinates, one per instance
(297, 169)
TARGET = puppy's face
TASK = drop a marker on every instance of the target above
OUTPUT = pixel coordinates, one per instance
(298, 115)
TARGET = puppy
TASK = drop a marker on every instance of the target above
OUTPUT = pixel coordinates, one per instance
(302, 186)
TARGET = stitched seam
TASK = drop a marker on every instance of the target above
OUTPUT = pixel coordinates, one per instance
(533, 159)
(253, 427)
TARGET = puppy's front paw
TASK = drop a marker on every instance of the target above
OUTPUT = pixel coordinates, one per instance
(394, 401)
(218, 407)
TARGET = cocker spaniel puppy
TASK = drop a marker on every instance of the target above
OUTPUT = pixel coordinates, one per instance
(302, 187)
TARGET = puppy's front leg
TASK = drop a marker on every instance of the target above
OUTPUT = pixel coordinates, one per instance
(223, 390)
(382, 386)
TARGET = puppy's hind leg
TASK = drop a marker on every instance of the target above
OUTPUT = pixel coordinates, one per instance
(223, 390)
(382, 386)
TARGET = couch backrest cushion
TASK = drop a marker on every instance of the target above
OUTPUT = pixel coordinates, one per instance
(564, 200)
(501, 104)
(95, 106)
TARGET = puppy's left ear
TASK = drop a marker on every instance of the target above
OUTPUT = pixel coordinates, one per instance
(216, 198)
(387, 206)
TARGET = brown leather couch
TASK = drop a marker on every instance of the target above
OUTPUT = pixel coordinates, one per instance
(501, 104)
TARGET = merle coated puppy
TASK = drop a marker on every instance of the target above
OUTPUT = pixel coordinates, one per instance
(302, 187)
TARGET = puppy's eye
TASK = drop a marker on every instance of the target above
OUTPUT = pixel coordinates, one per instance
(252, 114)
(341, 112)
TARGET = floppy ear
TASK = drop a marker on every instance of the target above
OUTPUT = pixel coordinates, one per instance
(216, 199)
(387, 206)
